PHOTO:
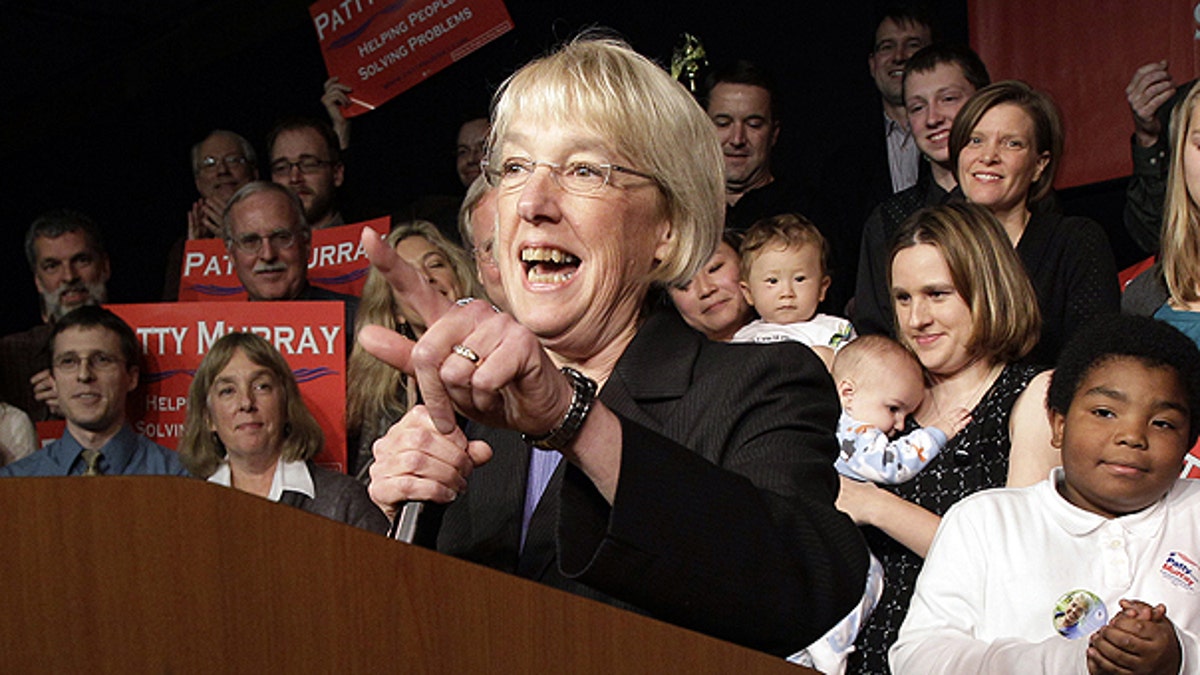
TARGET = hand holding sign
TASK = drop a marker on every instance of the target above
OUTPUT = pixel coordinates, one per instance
(335, 98)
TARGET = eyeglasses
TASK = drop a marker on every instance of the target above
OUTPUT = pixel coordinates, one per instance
(100, 362)
(580, 178)
(252, 242)
(889, 47)
(483, 254)
(210, 163)
(282, 167)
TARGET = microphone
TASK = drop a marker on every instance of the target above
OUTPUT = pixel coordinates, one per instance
(405, 526)
(418, 523)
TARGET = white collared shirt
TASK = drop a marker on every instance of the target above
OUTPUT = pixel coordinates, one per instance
(292, 476)
(1003, 559)
(904, 158)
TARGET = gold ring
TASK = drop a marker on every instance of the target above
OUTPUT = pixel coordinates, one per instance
(466, 352)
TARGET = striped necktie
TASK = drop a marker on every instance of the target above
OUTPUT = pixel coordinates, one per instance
(92, 457)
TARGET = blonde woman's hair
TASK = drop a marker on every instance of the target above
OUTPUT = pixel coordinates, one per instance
(201, 450)
(1181, 213)
(600, 85)
(375, 390)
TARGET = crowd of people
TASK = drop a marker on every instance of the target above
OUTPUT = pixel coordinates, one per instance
(826, 426)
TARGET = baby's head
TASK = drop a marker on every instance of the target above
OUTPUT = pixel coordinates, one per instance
(1124, 405)
(878, 381)
(785, 268)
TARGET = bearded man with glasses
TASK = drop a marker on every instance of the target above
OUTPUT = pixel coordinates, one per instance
(70, 267)
(95, 363)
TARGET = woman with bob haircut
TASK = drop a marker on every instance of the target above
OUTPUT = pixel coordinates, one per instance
(1006, 144)
(1170, 290)
(248, 428)
(965, 307)
(611, 450)
(378, 394)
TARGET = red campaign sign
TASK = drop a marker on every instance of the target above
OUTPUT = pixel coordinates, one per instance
(49, 431)
(176, 336)
(381, 48)
(1084, 53)
(1191, 463)
(336, 261)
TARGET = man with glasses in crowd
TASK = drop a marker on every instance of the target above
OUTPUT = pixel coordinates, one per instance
(880, 157)
(221, 164)
(95, 362)
(306, 158)
(268, 240)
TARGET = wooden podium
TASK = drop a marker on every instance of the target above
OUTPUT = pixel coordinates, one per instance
(158, 574)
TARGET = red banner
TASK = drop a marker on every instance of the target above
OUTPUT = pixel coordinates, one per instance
(176, 336)
(49, 431)
(1191, 463)
(1084, 53)
(336, 261)
(381, 49)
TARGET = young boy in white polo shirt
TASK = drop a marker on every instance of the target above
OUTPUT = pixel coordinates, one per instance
(1094, 570)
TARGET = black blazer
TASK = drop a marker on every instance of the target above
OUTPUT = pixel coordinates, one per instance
(339, 497)
(723, 520)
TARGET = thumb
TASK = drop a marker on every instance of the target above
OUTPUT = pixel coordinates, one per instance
(479, 452)
(387, 346)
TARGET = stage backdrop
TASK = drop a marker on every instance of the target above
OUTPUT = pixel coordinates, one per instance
(1084, 52)
(176, 336)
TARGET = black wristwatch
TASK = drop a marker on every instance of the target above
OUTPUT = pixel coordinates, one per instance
(561, 436)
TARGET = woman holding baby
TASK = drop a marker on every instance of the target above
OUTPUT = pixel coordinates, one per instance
(966, 308)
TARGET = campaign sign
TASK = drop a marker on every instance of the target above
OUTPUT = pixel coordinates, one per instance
(1191, 463)
(49, 431)
(336, 260)
(381, 48)
(175, 337)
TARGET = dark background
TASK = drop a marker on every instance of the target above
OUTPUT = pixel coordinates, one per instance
(103, 100)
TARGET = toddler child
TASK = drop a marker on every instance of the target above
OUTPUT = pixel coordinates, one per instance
(1094, 570)
(785, 273)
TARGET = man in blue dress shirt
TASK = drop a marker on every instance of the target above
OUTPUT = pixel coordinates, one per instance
(94, 362)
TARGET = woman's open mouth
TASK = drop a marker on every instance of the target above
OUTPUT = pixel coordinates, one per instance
(544, 265)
